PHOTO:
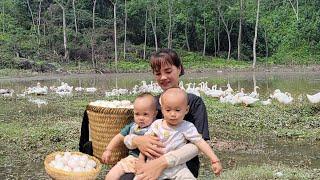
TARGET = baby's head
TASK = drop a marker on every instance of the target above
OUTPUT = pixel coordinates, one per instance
(174, 105)
(145, 109)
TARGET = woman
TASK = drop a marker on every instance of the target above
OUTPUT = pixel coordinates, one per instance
(167, 68)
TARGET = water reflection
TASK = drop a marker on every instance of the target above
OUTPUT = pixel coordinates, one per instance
(295, 83)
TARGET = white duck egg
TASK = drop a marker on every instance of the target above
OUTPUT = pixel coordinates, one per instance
(125, 103)
(68, 154)
(75, 157)
(82, 163)
(67, 168)
(84, 158)
(88, 168)
(72, 164)
(58, 157)
(91, 163)
(52, 163)
(78, 169)
(59, 165)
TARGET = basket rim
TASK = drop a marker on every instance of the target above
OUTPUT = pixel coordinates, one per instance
(51, 157)
(103, 109)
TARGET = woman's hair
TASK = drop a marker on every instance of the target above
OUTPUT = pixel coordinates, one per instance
(165, 56)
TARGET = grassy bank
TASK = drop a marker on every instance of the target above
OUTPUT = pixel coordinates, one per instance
(29, 133)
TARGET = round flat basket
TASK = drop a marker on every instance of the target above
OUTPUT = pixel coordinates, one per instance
(104, 124)
(59, 174)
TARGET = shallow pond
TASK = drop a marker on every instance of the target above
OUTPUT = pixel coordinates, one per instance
(295, 83)
(299, 153)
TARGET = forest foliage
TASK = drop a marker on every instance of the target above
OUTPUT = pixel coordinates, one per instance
(288, 30)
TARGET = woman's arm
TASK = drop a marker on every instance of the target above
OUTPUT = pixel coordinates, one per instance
(181, 155)
(153, 168)
(148, 145)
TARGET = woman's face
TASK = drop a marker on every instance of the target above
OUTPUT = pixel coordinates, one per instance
(168, 76)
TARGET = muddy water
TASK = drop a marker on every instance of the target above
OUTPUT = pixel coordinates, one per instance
(290, 152)
(294, 82)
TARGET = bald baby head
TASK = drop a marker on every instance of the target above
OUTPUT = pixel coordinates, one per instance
(174, 94)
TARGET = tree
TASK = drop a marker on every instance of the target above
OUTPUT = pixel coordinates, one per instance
(295, 9)
(125, 29)
(226, 24)
(93, 38)
(39, 23)
(115, 32)
(170, 24)
(66, 53)
(75, 17)
(31, 13)
(255, 36)
(145, 34)
(240, 30)
(153, 20)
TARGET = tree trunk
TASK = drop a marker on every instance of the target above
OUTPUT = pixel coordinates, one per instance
(255, 36)
(115, 34)
(227, 30)
(240, 31)
(31, 13)
(214, 42)
(39, 22)
(170, 24)
(205, 37)
(75, 17)
(266, 41)
(93, 36)
(145, 35)
(218, 35)
(3, 21)
(295, 9)
(186, 35)
(125, 29)
(154, 28)
(66, 53)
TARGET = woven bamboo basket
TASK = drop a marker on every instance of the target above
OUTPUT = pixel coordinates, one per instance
(59, 174)
(104, 124)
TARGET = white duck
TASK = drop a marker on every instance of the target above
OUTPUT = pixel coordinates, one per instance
(91, 89)
(229, 89)
(255, 94)
(314, 98)
(247, 100)
(214, 92)
(241, 93)
(79, 89)
(266, 102)
(192, 90)
(285, 98)
(6, 92)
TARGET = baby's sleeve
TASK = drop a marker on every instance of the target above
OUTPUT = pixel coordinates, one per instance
(190, 132)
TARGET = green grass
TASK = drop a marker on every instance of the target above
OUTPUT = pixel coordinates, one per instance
(267, 171)
(29, 133)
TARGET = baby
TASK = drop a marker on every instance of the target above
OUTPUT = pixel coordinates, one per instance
(174, 132)
(144, 108)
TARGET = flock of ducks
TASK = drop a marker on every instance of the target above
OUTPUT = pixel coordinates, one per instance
(224, 96)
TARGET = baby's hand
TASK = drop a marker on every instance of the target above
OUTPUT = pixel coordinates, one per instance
(216, 167)
(106, 156)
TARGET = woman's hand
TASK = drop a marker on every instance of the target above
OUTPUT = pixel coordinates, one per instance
(149, 146)
(150, 170)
